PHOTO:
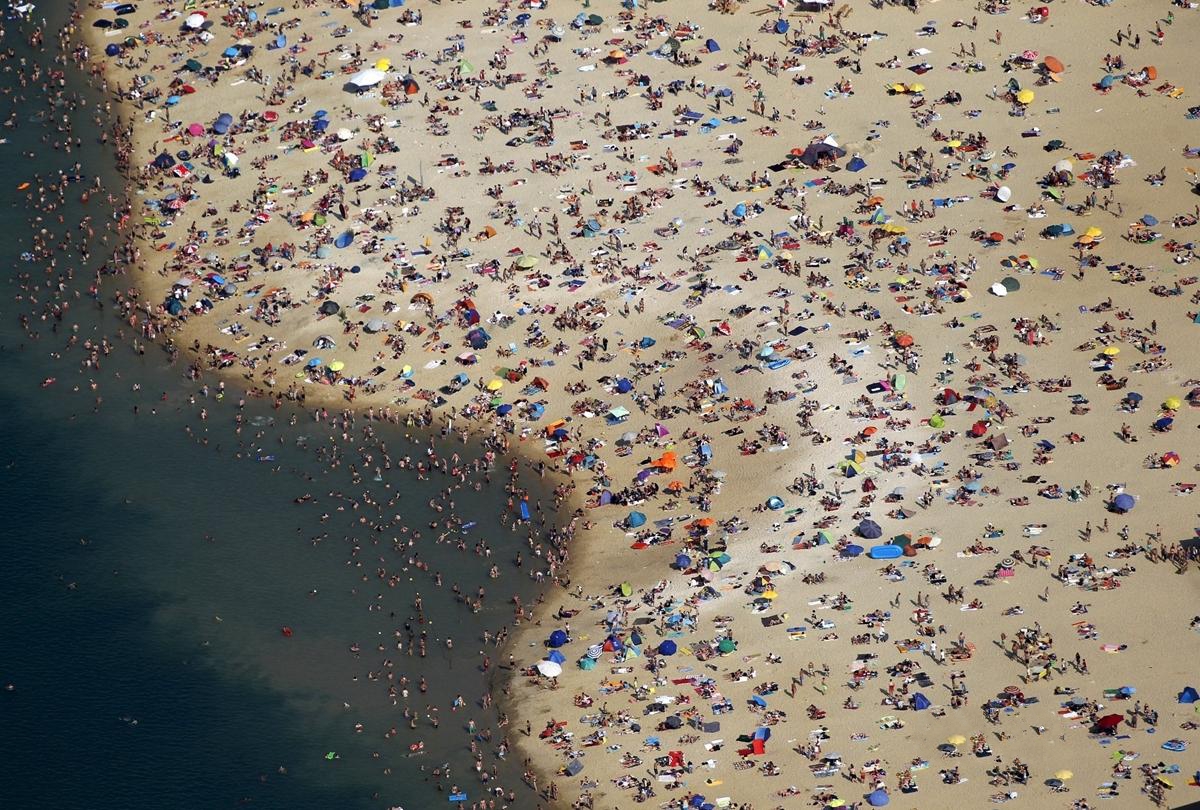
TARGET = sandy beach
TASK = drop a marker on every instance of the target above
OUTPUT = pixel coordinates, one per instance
(852, 341)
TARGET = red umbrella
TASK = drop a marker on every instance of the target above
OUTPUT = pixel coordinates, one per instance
(270, 115)
(1109, 722)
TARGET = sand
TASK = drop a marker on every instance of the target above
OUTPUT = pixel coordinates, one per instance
(721, 294)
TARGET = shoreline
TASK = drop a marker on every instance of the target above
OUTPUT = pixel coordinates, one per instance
(746, 494)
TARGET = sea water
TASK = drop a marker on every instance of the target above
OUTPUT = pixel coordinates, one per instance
(152, 560)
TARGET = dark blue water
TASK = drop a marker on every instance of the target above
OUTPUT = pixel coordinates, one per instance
(151, 559)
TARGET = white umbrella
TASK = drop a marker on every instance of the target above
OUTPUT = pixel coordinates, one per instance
(549, 669)
(344, 134)
(1004, 194)
(367, 78)
(195, 20)
(999, 289)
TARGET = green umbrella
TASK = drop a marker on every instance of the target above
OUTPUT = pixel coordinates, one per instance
(726, 646)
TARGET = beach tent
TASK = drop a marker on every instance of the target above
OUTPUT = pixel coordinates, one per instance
(635, 519)
(920, 702)
(711, 46)
(557, 639)
(815, 153)
(856, 164)
(1189, 695)
(556, 657)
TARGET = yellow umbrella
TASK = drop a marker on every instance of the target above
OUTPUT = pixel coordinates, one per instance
(527, 261)
(1063, 774)
(1112, 351)
(770, 595)
(1025, 96)
(1093, 232)
(495, 385)
(957, 739)
(785, 255)
(916, 88)
(384, 64)
(898, 88)
(337, 365)
(1173, 403)
(954, 143)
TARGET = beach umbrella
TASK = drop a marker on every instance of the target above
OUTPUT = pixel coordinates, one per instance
(112, 49)
(1108, 722)
(947, 748)
(495, 385)
(726, 646)
(549, 669)
(195, 20)
(1111, 351)
(337, 365)
(1123, 502)
(667, 647)
(1107, 81)
(344, 134)
(774, 502)
(357, 174)
(869, 529)
(1149, 220)
(526, 262)
(330, 308)
(683, 561)
(957, 739)
(878, 798)
(344, 239)
(1053, 64)
(1011, 284)
(367, 78)
(557, 639)
(1172, 403)
(586, 663)
(998, 289)
(635, 519)
(1003, 194)
(222, 124)
(1025, 96)
(852, 551)
(375, 325)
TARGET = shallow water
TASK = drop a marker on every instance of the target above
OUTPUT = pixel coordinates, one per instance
(148, 576)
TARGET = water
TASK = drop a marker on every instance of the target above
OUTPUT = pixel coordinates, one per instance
(152, 560)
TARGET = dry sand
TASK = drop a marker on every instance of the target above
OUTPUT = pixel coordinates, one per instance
(639, 272)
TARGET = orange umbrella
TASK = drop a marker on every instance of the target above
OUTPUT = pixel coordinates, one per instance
(1053, 65)
(674, 486)
(1151, 72)
(666, 461)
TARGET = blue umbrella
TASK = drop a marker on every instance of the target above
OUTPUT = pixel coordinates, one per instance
(1123, 502)
(557, 639)
(222, 124)
(683, 561)
(1149, 220)
(344, 239)
(667, 647)
(878, 798)
(1108, 81)
(739, 210)
(357, 174)
(624, 386)
(869, 529)
(852, 551)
